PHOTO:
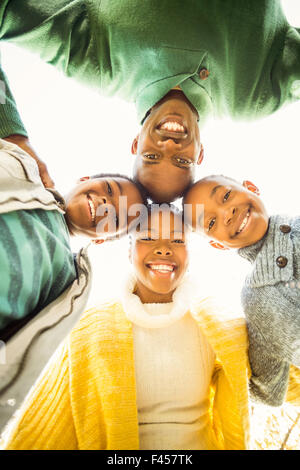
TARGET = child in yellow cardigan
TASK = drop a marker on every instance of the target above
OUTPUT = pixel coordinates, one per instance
(150, 371)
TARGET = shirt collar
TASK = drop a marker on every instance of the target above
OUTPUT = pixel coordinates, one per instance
(195, 93)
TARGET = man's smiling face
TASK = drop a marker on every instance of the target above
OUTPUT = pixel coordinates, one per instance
(168, 148)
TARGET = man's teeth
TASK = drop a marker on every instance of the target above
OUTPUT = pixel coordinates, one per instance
(172, 126)
(243, 224)
(92, 209)
(162, 267)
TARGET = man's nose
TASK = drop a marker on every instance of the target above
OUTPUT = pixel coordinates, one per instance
(229, 215)
(169, 143)
(163, 250)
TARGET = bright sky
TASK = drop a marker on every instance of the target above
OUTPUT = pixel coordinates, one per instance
(78, 133)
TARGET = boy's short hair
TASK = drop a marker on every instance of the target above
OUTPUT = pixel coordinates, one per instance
(142, 190)
(205, 178)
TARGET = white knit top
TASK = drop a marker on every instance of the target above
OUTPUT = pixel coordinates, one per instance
(173, 368)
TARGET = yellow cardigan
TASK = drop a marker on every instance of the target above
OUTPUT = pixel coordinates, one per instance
(86, 396)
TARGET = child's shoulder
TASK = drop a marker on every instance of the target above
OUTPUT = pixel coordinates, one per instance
(102, 312)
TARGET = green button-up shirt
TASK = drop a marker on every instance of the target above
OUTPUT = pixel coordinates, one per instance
(138, 50)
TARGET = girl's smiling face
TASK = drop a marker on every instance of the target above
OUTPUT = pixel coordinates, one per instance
(233, 215)
(159, 256)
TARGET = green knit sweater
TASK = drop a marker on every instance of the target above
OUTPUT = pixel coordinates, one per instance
(36, 263)
(139, 50)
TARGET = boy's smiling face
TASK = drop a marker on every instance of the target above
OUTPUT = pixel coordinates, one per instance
(233, 215)
(97, 199)
(159, 256)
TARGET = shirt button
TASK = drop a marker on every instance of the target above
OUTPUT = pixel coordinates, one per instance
(281, 261)
(204, 73)
(285, 228)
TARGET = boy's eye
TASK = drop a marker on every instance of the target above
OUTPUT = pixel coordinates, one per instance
(211, 224)
(226, 196)
(109, 189)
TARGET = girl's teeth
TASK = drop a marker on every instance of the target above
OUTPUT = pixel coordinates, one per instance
(162, 267)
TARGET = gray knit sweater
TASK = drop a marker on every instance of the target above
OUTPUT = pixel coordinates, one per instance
(271, 301)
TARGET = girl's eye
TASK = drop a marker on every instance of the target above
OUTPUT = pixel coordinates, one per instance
(226, 196)
(211, 224)
(109, 190)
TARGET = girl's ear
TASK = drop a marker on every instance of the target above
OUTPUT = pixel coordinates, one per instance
(217, 245)
(251, 187)
(97, 241)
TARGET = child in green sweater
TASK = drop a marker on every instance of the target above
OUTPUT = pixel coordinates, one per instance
(36, 260)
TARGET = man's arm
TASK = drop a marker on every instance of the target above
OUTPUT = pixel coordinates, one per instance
(60, 33)
(13, 129)
(23, 142)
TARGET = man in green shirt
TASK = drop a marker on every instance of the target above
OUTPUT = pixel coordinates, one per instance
(221, 58)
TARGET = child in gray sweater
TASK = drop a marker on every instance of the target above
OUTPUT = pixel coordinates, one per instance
(235, 217)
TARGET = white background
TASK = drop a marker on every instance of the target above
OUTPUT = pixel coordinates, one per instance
(78, 133)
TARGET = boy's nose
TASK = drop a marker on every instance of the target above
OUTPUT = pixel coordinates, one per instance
(229, 214)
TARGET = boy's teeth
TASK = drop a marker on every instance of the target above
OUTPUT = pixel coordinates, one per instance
(172, 126)
(243, 224)
(161, 267)
(92, 209)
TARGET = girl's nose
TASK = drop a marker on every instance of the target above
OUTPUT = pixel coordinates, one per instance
(163, 251)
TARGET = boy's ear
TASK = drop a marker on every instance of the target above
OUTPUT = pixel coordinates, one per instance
(251, 187)
(217, 245)
(134, 145)
(201, 154)
(97, 241)
(83, 178)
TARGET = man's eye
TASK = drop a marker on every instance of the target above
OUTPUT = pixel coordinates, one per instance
(211, 224)
(226, 196)
(151, 156)
(183, 161)
(109, 190)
